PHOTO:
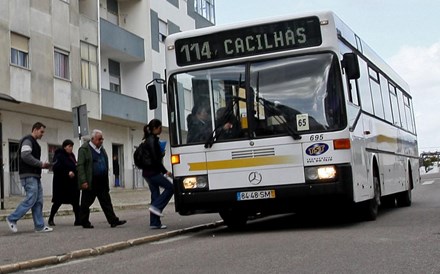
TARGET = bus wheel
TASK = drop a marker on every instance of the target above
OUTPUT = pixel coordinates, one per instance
(234, 220)
(371, 207)
(388, 201)
(404, 198)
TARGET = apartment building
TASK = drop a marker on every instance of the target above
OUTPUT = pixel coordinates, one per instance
(58, 55)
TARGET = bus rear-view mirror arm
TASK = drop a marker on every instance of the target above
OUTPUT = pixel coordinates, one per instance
(152, 92)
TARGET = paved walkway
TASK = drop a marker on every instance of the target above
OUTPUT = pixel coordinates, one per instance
(74, 243)
(121, 198)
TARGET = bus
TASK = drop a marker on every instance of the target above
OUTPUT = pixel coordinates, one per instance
(285, 114)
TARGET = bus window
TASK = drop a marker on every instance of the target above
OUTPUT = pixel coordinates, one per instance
(375, 92)
(364, 88)
(207, 95)
(386, 98)
(394, 105)
(403, 117)
(302, 94)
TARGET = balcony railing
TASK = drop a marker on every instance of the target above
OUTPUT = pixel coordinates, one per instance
(124, 107)
(120, 44)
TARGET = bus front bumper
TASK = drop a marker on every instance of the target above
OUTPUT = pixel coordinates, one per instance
(287, 198)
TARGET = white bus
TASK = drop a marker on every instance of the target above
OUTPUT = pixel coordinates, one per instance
(284, 114)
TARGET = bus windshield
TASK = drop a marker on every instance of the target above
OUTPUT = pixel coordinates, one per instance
(290, 96)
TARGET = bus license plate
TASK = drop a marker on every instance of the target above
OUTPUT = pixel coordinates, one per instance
(255, 195)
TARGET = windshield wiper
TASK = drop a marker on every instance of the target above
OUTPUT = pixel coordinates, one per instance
(219, 130)
(274, 111)
(214, 136)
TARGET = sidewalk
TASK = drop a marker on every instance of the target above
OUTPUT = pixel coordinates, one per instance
(122, 198)
(26, 250)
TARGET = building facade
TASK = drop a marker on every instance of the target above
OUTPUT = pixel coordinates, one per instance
(57, 55)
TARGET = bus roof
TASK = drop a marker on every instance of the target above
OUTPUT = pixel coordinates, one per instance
(343, 30)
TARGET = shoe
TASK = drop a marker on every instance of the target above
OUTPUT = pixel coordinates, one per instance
(158, 226)
(45, 229)
(155, 211)
(118, 222)
(12, 226)
(76, 223)
(51, 223)
(88, 226)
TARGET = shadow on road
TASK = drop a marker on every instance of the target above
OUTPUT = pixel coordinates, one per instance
(312, 220)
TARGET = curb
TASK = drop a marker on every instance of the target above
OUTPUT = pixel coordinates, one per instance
(101, 250)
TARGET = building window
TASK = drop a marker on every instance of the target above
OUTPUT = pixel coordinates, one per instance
(51, 153)
(61, 63)
(205, 8)
(19, 50)
(89, 67)
(114, 70)
(112, 11)
(163, 30)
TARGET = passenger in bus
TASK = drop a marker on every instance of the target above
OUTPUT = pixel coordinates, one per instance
(199, 124)
(227, 124)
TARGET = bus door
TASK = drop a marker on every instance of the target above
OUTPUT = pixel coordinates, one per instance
(359, 154)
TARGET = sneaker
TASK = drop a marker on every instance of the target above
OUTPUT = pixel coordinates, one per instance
(12, 226)
(45, 229)
(155, 211)
(158, 226)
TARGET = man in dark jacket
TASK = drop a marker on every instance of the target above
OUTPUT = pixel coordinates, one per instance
(93, 180)
(30, 177)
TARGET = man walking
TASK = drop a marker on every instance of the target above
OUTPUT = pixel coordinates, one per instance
(93, 180)
(30, 178)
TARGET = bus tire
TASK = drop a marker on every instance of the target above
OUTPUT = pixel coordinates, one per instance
(404, 198)
(370, 208)
(234, 220)
(388, 201)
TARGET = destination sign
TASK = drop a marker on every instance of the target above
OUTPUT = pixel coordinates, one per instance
(235, 43)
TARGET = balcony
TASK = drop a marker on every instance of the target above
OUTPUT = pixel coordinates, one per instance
(120, 44)
(119, 106)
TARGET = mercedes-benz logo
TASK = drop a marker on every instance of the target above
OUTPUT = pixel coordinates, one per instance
(255, 178)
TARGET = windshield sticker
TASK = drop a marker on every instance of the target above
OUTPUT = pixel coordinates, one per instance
(302, 122)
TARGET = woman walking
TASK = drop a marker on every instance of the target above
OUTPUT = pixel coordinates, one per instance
(65, 184)
(154, 174)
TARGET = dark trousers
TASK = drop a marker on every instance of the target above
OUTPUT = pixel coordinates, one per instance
(101, 191)
(56, 206)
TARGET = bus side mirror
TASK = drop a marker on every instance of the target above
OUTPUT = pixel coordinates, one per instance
(351, 65)
(152, 96)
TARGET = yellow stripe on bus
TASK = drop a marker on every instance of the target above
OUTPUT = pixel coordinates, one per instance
(241, 163)
(386, 139)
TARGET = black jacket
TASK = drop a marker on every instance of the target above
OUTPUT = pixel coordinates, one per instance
(31, 166)
(156, 154)
(65, 189)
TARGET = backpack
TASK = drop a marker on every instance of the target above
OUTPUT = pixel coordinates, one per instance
(142, 157)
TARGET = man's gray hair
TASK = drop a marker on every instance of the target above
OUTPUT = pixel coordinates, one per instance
(94, 132)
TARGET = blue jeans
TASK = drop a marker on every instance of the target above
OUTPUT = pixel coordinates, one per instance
(159, 200)
(33, 201)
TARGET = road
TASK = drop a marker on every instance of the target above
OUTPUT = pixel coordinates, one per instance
(401, 240)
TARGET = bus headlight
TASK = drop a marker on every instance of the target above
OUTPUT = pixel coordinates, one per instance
(196, 182)
(320, 173)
